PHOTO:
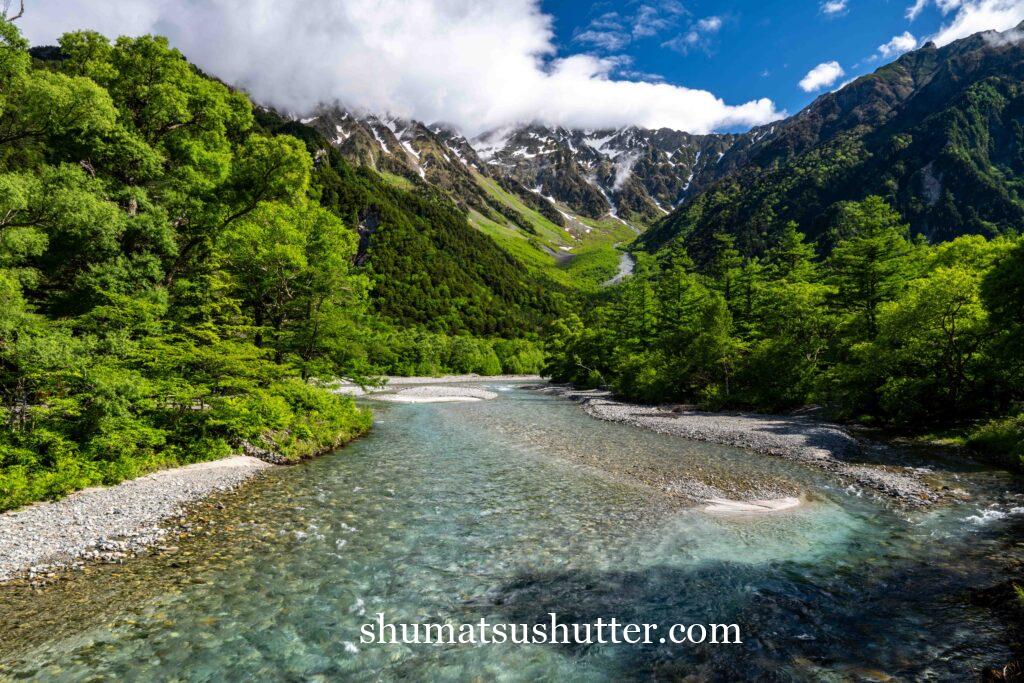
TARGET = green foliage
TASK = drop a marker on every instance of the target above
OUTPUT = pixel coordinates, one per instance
(869, 262)
(901, 333)
(167, 281)
(420, 352)
(1002, 439)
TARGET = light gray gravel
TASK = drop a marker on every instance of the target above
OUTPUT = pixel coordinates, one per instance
(427, 393)
(110, 523)
(352, 389)
(825, 446)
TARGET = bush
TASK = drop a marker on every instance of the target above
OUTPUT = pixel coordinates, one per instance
(519, 356)
(1002, 440)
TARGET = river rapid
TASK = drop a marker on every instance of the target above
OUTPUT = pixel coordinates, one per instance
(512, 508)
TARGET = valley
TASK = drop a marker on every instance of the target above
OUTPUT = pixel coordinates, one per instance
(268, 372)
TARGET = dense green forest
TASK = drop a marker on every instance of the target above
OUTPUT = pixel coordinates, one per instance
(874, 326)
(177, 269)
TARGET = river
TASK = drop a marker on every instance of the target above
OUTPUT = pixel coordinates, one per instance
(626, 264)
(512, 508)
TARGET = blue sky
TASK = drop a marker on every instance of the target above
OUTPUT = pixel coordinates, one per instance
(744, 49)
(693, 65)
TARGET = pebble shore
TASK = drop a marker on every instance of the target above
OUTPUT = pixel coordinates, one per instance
(110, 523)
(435, 394)
(825, 446)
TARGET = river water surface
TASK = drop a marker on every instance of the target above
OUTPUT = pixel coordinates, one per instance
(516, 507)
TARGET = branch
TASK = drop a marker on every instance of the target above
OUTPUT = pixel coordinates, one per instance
(21, 11)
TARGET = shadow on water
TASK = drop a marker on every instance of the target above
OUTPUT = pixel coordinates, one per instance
(845, 622)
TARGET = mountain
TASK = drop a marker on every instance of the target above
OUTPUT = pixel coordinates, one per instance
(425, 263)
(544, 227)
(632, 172)
(939, 133)
(561, 201)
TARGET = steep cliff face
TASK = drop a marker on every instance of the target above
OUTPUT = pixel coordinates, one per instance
(631, 173)
(635, 173)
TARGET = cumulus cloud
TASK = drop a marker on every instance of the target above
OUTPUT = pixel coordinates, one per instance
(833, 7)
(979, 15)
(473, 64)
(905, 42)
(821, 76)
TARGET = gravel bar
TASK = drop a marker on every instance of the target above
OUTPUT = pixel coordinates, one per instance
(109, 523)
(825, 446)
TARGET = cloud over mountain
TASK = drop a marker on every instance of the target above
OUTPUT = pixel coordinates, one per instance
(971, 16)
(476, 65)
(821, 76)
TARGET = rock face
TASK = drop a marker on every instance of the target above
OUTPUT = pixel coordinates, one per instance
(631, 173)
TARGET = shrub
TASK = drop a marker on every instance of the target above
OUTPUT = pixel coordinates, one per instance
(1002, 440)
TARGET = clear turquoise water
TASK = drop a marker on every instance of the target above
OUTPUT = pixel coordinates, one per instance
(513, 508)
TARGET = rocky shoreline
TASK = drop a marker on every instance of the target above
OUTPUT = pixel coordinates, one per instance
(110, 523)
(825, 446)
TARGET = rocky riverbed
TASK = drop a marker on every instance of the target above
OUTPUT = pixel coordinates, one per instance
(826, 446)
(111, 523)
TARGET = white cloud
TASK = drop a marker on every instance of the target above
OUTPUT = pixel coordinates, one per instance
(905, 42)
(822, 76)
(697, 36)
(914, 10)
(606, 40)
(649, 22)
(477, 65)
(612, 31)
(978, 15)
(832, 7)
(709, 24)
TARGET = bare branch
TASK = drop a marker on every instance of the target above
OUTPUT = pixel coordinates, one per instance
(7, 8)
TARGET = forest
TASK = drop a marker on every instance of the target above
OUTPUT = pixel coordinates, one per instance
(868, 324)
(177, 272)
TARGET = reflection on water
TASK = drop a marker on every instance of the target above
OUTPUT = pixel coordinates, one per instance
(510, 509)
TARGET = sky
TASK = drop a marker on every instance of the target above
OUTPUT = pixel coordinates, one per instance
(695, 65)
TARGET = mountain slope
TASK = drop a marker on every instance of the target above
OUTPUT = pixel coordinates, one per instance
(939, 133)
(541, 231)
(634, 173)
(427, 266)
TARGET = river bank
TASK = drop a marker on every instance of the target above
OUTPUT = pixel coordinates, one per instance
(349, 388)
(107, 524)
(829, 447)
(111, 523)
